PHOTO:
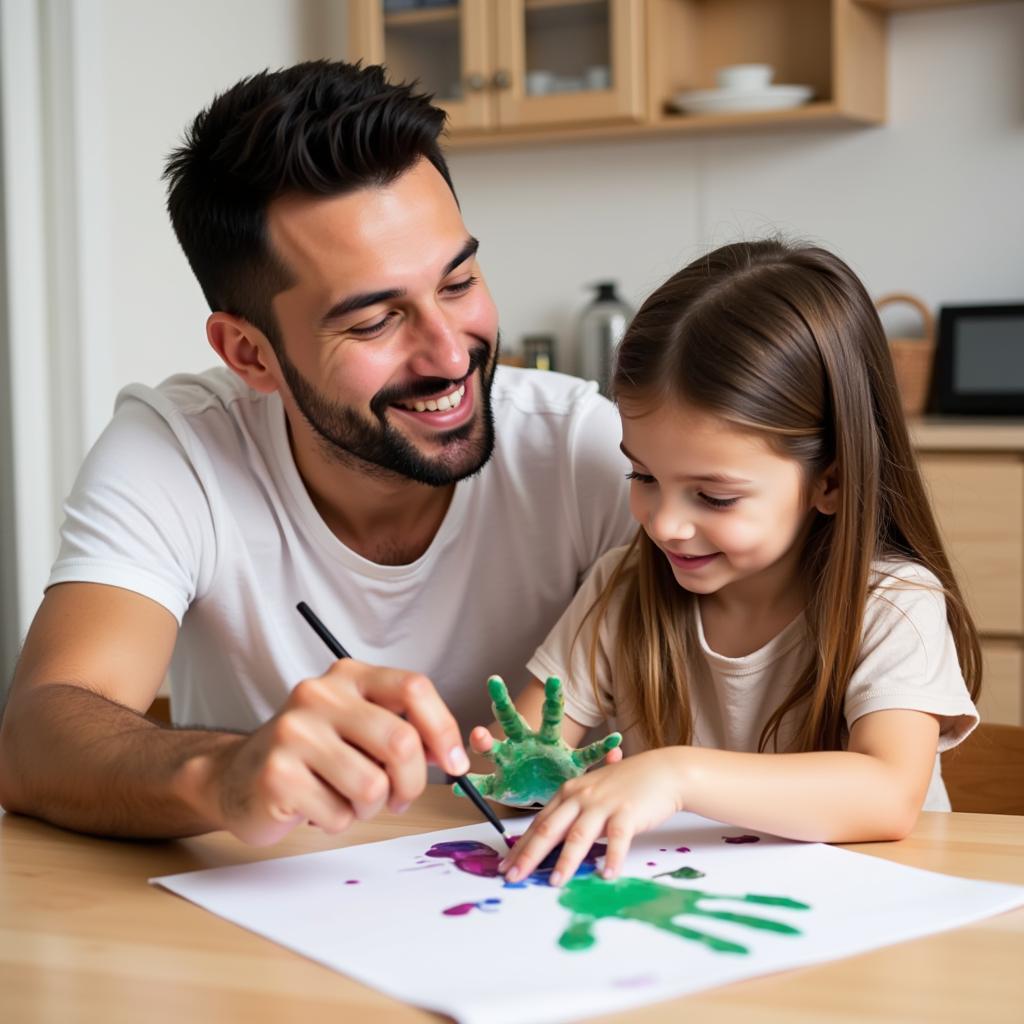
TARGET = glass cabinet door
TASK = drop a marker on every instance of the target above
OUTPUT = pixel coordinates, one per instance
(566, 61)
(442, 44)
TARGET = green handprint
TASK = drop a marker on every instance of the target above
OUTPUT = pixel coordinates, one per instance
(591, 898)
(530, 766)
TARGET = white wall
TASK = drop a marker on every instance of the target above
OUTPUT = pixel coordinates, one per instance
(164, 62)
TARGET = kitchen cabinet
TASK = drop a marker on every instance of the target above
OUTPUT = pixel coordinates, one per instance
(974, 472)
(500, 64)
(517, 71)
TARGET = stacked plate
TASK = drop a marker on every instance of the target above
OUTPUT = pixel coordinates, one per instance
(742, 87)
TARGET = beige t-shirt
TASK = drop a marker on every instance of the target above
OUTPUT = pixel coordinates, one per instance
(907, 661)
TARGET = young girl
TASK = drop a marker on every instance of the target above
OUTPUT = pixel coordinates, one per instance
(783, 645)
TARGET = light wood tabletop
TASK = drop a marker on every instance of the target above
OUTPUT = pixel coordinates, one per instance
(84, 938)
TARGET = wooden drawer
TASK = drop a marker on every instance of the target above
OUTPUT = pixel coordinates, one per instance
(1002, 684)
(979, 502)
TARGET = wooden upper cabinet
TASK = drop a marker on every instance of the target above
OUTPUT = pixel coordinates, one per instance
(511, 64)
(836, 48)
(569, 62)
(522, 70)
(448, 49)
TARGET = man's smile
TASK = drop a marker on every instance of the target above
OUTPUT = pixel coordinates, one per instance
(445, 410)
(442, 402)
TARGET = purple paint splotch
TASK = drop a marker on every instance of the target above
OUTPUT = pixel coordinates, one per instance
(461, 909)
(352, 881)
(742, 839)
(469, 856)
(476, 858)
(682, 849)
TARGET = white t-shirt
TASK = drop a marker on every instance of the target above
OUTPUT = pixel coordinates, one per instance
(192, 498)
(907, 660)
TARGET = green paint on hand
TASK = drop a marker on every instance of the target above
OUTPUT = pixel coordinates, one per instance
(591, 898)
(529, 765)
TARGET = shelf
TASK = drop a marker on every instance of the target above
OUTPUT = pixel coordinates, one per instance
(811, 115)
(421, 16)
(548, 15)
(916, 5)
(540, 5)
(813, 111)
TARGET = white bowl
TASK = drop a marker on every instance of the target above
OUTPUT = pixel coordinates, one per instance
(744, 77)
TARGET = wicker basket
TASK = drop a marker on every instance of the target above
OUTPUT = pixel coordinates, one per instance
(912, 357)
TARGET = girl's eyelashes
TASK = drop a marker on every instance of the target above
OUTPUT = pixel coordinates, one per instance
(718, 502)
(709, 500)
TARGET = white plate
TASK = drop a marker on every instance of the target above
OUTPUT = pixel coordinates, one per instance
(722, 101)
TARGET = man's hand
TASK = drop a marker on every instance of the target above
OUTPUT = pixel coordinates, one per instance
(343, 746)
(530, 766)
(76, 750)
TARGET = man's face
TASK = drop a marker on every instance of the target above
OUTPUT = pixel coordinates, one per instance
(389, 334)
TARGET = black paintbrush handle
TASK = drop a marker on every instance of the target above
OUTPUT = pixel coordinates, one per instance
(471, 791)
(322, 631)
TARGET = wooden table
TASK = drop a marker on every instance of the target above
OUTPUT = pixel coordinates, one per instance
(83, 938)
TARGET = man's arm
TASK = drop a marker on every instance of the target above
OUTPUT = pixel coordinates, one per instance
(76, 750)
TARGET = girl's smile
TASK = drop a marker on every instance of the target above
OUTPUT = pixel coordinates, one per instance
(690, 563)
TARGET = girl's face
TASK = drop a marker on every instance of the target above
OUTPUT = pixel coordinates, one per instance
(725, 508)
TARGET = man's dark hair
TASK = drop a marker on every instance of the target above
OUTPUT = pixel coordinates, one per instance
(321, 128)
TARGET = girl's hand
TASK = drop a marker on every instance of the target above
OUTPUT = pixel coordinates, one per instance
(616, 801)
(482, 740)
(530, 764)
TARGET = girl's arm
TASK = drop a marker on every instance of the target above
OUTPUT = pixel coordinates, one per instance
(872, 791)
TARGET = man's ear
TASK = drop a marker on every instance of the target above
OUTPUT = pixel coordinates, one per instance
(245, 349)
(825, 494)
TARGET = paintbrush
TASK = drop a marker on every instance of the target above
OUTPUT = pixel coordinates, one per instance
(465, 785)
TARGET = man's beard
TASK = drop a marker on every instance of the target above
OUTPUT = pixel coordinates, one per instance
(349, 438)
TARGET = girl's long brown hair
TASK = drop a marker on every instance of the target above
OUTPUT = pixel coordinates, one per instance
(784, 340)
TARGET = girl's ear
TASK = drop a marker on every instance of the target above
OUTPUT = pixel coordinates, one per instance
(245, 349)
(825, 493)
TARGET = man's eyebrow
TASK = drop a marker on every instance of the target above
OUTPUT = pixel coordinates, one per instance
(360, 301)
(363, 299)
(469, 249)
(710, 478)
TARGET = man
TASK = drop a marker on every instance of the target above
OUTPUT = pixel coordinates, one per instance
(358, 450)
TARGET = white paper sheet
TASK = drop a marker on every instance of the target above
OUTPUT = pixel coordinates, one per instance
(376, 913)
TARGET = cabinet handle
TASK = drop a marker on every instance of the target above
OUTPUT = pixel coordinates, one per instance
(475, 82)
(502, 79)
